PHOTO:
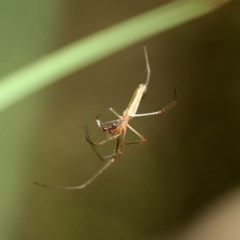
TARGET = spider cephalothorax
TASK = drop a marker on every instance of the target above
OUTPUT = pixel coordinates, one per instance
(115, 129)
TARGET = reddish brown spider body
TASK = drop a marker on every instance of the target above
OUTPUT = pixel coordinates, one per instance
(114, 129)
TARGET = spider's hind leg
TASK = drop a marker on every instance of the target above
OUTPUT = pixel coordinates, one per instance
(100, 123)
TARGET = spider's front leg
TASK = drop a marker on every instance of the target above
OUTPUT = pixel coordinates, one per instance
(102, 124)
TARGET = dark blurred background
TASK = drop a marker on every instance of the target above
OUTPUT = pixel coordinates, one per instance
(155, 191)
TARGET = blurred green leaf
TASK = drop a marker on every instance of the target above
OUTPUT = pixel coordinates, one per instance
(51, 68)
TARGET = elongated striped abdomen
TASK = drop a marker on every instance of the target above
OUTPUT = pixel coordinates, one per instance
(135, 101)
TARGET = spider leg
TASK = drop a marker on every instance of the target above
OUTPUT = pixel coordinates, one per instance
(163, 110)
(100, 123)
(111, 158)
(94, 146)
(89, 140)
(147, 68)
(117, 153)
(142, 139)
(83, 185)
(114, 112)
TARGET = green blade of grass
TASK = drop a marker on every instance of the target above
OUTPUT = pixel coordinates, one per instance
(52, 67)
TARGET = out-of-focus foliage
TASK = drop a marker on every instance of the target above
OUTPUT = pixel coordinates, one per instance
(28, 30)
(86, 51)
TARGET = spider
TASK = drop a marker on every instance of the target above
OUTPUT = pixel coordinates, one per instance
(116, 129)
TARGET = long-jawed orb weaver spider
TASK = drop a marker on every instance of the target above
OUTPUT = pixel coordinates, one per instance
(116, 129)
